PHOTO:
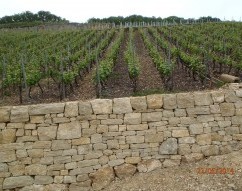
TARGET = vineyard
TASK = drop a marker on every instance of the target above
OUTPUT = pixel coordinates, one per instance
(69, 64)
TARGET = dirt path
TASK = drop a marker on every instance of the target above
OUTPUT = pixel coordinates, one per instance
(187, 178)
(149, 77)
(119, 83)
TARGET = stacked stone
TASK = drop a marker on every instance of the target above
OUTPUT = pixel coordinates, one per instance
(79, 145)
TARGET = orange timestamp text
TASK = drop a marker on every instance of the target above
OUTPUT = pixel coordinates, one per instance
(224, 170)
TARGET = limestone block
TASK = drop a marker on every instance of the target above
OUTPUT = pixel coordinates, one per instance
(154, 138)
(69, 179)
(180, 113)
(168, 147)
(237, 137)
(199, 110)
(47, 133)
(227, 109)
(3, 167)
(42, 180)
(37, 119)
(121, 105)
(7, 156)
(36, 169)
(168, 113)
(204, 139)
(19, 114)
(102, 178)
(125, 170)
(16, 182)
(218, 97)
(43, 109)
(5, 114)
(185, 100)
(70, 130)
(140, 127)
(232, 130)
(7, 136)
(71, 109)
(239, 112)
(184, 149)
(193, 157)
(113, 144)
(223, 124)
(170, 101)
(132, 160)
(112, 122)
(135, 139)
(81, 141)
(151, 117)
(149, 165)
(210, 150)
(86, 163)
(115, 162)
(237, 120)
(138, 103)
(231, 97)
(203, 99)
(102, 106)
(180, 133)
(132, 118)
(17, 170)
(85, 108)
(41, 145)
(93, 155)
(36, 153)
(186, 140)
(239, 93)
(60, 145)
(96, 138)
(196, 129)
(154, 101)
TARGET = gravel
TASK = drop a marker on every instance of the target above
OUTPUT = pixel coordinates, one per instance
(186, 177)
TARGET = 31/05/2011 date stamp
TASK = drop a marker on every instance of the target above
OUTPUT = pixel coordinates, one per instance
(214, 171)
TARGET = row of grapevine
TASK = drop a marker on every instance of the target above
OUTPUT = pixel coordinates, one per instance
(132, 60)
(164, 65)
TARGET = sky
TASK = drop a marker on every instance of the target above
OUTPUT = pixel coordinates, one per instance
(82, 10)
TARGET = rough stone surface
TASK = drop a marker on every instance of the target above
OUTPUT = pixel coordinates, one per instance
(20, 114)
(138, 103)
(85, 108)
(102, 178)
(5, 114)
(170, 101)
(227, 109)
(151, 117)
(169, 146)
(185, 100)
(42, 180)
(70, 130)
(149, 165)
(43, 109)
(7, 136)
(47, 133)
(16, 182)
(203, 99)
(102, 106)
(121, 105)
(36, 169)
(71, 109)
(193, 157)
(204, 139)
(125, 170)
(180, 133)
(132, 118)
(154, 101)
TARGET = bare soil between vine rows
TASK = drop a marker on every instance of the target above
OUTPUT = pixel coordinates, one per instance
(118, 85)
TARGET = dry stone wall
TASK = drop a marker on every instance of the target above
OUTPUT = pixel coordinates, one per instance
(84, 145)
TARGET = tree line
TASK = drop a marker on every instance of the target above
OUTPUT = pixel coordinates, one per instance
(139, 18)
(28, 17)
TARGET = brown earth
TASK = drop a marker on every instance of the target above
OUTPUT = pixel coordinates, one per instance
(186, 177)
